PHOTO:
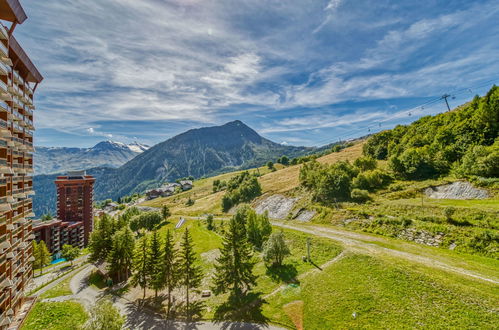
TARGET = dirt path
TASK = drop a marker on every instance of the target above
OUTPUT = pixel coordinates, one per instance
(358, 242)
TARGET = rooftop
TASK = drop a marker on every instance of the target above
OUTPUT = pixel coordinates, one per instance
(12, 11)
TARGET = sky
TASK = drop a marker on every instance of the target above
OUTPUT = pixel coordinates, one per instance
(298, 72)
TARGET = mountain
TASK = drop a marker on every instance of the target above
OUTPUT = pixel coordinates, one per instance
(106, 154)
(198, 152)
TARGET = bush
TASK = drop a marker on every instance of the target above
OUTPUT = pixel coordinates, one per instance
(449, 212)
(365, 163)
(360, 195)
(242, 188)
(481, 161)
(147, 220)
(275, 249)
(371, 180)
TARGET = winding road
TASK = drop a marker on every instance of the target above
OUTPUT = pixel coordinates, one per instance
(358, 242)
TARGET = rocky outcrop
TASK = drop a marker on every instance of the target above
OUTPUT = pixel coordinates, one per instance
(456, 190)
(277, 206)
(421, 237)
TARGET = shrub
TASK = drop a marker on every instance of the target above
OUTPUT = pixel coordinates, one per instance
(371, 180)
(365, 163)
(360, 195)
(481, 161)
(241, 189)
(449, 212)
(275, 249)
(147, 220)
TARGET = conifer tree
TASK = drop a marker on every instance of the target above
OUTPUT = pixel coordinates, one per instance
(155, 264)
(42, 256)
(165, 212)
(121, 255)
(100, 239)
(169, 274)
(190, 272)
(140, 275)
(234, 268)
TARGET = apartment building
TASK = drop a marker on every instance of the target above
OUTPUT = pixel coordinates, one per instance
(75, 200)
(18, 81)
(56, 233)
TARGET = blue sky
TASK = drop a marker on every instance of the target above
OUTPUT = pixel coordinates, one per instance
(299, 72)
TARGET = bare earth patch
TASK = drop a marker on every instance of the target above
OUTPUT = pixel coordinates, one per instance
(456, 190)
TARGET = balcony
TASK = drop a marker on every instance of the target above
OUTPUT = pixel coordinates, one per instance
(4, 107)
(4, 69)
(4, 52)
(4, 92)
(4, 35)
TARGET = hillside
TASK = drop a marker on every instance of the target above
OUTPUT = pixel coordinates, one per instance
(395, 203)
(198, 152)
(104, 154)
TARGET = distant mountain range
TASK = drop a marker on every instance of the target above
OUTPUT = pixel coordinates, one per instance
(198, 152)
(104, 154)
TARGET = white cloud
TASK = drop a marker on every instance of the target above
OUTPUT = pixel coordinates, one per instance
(193, 60)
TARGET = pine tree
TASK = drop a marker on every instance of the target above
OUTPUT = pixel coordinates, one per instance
(265, 226)
(155, 264)
(121, 255)
(165, 212)
(140, 275)
(43, 256)
(253, 230)
(100, 243)
(234, 268)
(34, 248)
(190, 272)
(169, 274)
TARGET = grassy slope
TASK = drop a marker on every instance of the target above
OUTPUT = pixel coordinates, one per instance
(382, 290)
(61, 289)
(388, 294)
(56, 316)
(283, 180)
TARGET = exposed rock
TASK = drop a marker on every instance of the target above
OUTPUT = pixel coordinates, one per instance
(305, 215)
(278, 206)
(456, 190)
(421, 237)
(347, 221)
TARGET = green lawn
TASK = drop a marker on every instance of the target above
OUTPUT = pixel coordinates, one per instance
(55, 316)
(387, 294)
(61, 289)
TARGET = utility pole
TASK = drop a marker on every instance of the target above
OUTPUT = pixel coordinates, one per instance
(444, 97)
(308, 250)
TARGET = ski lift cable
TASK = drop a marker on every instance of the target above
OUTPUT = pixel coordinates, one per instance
(401, 114)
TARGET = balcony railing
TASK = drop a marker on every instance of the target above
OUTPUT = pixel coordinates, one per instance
(3, 87)
(3, 32)
(3, 50)
(4, 69)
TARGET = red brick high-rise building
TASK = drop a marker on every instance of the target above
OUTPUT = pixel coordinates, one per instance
(75, 200)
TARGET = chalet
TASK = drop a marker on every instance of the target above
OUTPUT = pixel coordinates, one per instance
(186, 184)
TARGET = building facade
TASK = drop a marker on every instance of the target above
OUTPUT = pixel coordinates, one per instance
(18, 81)
(75, 200)
(56, 233)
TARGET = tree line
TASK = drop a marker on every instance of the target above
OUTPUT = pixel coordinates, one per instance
(463, 142)
(155, 262)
